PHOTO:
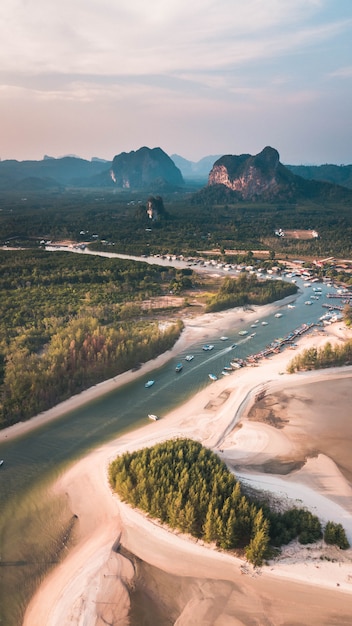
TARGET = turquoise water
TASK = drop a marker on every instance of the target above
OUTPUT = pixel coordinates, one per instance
(30, 522)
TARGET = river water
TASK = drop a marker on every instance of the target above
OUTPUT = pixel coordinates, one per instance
(35, 529)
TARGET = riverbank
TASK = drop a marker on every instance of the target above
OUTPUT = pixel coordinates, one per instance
(196, 328)
(80, 590)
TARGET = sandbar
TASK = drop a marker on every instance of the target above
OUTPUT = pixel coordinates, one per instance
(92, 585)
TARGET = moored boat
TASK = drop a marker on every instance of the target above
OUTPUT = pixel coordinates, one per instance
(1, 462)
(243, 332)
(153, 417)
(189, 357)
(212, 377)
(149, 383)
(178, 367)
(208, 346)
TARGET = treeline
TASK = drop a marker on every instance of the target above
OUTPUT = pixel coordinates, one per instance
(121, 219)
(186, 486)
(68, 321)
(318, 358)
(247, 289)
(79, 355)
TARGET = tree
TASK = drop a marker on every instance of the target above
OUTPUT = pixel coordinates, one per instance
(334, 534)
(258, 546)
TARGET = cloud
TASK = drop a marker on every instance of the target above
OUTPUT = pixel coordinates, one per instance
(137, 37)
(74, 61)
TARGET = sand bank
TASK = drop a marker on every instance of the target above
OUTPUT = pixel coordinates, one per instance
(77, 592)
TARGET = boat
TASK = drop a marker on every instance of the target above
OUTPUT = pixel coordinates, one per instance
(264, 323)
(153, 417)
(208, 346)
(234, 345)
(189, 357)
(227, 368)
(224, 338)
(178, 367)
(252, 335)
(225, 373)
(291, 306)
(212, 377)
(278, 315)
(254, 325)
(243, 332)
(1, 462)
(149, 383)
(308, 302)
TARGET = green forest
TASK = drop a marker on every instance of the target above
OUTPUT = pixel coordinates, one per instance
(69, 321)
(186, 486)
(190, 223)
(246, 290)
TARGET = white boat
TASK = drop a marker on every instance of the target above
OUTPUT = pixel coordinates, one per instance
(224, 338)
(254, 325)
(225, 373)
(278, 315)
(1, 462)
(291, 306)
(189, 357)
(149, 383)
(264, 323)
(243, 332)
(208, 346)
(153, 417)
(212, 377)
(308, 302)
(252, 335)
(178, 367)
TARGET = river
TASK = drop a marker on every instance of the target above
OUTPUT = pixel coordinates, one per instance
(35, 528)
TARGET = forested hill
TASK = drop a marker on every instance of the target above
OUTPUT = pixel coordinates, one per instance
(335, 174)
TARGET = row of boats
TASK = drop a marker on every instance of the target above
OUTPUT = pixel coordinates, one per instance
(178, 368)
(273, 348)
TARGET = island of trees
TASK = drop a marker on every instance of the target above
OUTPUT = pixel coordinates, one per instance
(186, 486)
(246, 290)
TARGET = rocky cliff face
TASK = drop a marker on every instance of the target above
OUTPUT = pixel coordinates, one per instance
(145, 168)
(251, 176)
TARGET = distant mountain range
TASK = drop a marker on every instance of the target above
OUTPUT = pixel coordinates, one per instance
(152, 170)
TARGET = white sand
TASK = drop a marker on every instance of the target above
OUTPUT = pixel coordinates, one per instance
(75, 592)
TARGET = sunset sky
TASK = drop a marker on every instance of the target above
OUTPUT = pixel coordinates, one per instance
(196, 78)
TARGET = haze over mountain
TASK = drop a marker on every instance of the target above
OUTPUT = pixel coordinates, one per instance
(145, 168)
(152, 170)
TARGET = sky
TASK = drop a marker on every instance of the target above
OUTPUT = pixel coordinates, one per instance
(95, 78)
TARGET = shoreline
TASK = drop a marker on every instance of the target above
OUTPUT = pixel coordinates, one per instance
(196, 328)
(67, 593)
